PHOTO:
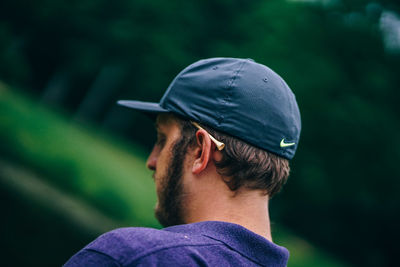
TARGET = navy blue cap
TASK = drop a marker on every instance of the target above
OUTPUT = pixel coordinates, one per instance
(239, 97)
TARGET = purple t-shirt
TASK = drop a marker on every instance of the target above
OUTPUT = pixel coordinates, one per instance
(207, 243)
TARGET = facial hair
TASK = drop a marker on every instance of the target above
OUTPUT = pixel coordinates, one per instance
(169, 210)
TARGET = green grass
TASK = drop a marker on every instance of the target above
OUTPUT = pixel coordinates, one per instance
(98, 170)
(77, 160)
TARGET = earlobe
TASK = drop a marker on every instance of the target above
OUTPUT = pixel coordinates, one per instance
(204, 148)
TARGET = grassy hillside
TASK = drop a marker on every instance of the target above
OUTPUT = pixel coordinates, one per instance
(79, 161)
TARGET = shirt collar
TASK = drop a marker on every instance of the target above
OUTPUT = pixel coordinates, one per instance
(238, 238)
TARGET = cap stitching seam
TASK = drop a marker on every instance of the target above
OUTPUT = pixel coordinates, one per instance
(229, 92)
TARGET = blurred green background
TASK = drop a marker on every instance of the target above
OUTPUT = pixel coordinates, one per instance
(72, 163)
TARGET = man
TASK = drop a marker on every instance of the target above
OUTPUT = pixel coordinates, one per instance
(226, 130)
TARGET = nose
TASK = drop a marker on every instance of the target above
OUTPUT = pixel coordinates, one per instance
(151, 162)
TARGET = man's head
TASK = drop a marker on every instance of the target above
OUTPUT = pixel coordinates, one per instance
(183, 153)
(241, 103)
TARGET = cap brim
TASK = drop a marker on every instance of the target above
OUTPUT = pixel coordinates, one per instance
(145, 107)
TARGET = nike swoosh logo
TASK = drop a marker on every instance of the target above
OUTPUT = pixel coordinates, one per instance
(283, 144)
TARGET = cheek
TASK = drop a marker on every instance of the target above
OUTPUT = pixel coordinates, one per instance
(158, 185)
(161, 173)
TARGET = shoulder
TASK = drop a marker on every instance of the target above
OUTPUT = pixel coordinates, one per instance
(134, 244)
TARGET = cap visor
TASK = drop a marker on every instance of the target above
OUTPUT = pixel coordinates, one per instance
(145, 107)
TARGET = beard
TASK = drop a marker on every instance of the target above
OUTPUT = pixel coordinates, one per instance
(169, 210)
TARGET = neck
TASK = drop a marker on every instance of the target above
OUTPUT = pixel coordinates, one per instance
(248, 208)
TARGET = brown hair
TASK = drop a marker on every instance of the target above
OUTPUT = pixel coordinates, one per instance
(242, 164)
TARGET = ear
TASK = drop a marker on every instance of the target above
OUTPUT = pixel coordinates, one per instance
(202, 151)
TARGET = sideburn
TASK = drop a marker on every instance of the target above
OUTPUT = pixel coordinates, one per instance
(171, 200)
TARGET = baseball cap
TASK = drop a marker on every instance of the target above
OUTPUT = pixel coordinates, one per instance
(238, 97)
